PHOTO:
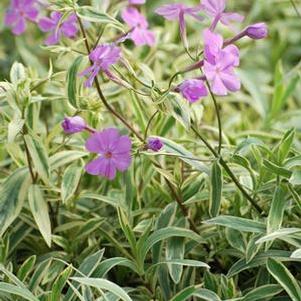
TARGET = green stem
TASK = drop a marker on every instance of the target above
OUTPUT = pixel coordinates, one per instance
(229, 172)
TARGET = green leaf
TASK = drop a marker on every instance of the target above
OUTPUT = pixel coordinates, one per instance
(39, 157)
(39, 210)
(283, 276)
(19, 291)
(295, 179)
(14, 128)
(263, 292)
(196, 291)
(72, 76)
(65, 157)
(104, 284)
(70, 181)
(278, 234)
(184, 155)
(285, 145)
(238, 223)
(279, 89)
(26, 267)
(215, 189)
(275, 169)
(12, 194)
(89, 14)
(276, 212)
(60, 283)
(17, 73)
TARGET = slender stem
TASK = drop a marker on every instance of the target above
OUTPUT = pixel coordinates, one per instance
(295, 8)
(149, 123)
(229, 172)
(220, 132)
(99, 91)
(29, 161)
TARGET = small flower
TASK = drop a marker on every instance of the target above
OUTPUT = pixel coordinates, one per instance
(139, 33)
(102, 57)
(154, 144)
(193, 89)
(73, 125)
(58, 27)
(136, 2)
(114, 151)
(17, 14)
(216, 9)
(219, 64)
(177, 11)
(257, 31)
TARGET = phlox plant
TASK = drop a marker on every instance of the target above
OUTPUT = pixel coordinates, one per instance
(148, 153)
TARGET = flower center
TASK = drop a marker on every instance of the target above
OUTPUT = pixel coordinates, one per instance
(108, 155)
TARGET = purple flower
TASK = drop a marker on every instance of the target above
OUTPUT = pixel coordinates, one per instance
(58, 27)
(17, 14)
(135, 2)
(73, 125)
(114, 151)
(177, 11)
(219, 64)
(256, 31)
(216, 9)
(193, 89)
(102, 57)
(154, 144)
(139, 33)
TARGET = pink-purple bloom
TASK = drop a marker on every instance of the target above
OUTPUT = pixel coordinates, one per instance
(58, 27)
(136, 2)
(256, 31)
(193, 89)
(139, 33)
(154, 144)
(219, 64)
(102, 57)
(73, 125)
(17, 14)
(216, 9)
(177, 11)
(114, 153)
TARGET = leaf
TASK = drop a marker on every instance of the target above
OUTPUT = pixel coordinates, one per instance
(39, 157)
(60, 283)
(12, 194)
(276, 212)
(296, 254)
(17, 73)
(215, 189)
(26, 267)
(104, 284)
(39, 210)
(14, 128)
(196, 291)
(184, 155)
(65, 157)
(72, 76)
(278, 234)
(285, 144)
(284, 278)
(70, 181)
(89, 14)
(19, 291)
(279, 88)
(295, 179)
(166, 233)
(238, 223)
(275, 169)
(263, 292)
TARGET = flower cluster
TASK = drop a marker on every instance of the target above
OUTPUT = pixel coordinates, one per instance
(58, 25)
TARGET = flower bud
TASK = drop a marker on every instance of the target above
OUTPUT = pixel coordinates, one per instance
(193, 89)
(155, 144)
(257, 31)
(73, 125)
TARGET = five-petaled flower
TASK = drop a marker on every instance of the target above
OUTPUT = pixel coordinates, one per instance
(219, 64)
(58, 27)
(177, 11)
(102, 58)
(114, 151)
(17, 14)
(193, 89)
(216, 9)
(139, 33)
